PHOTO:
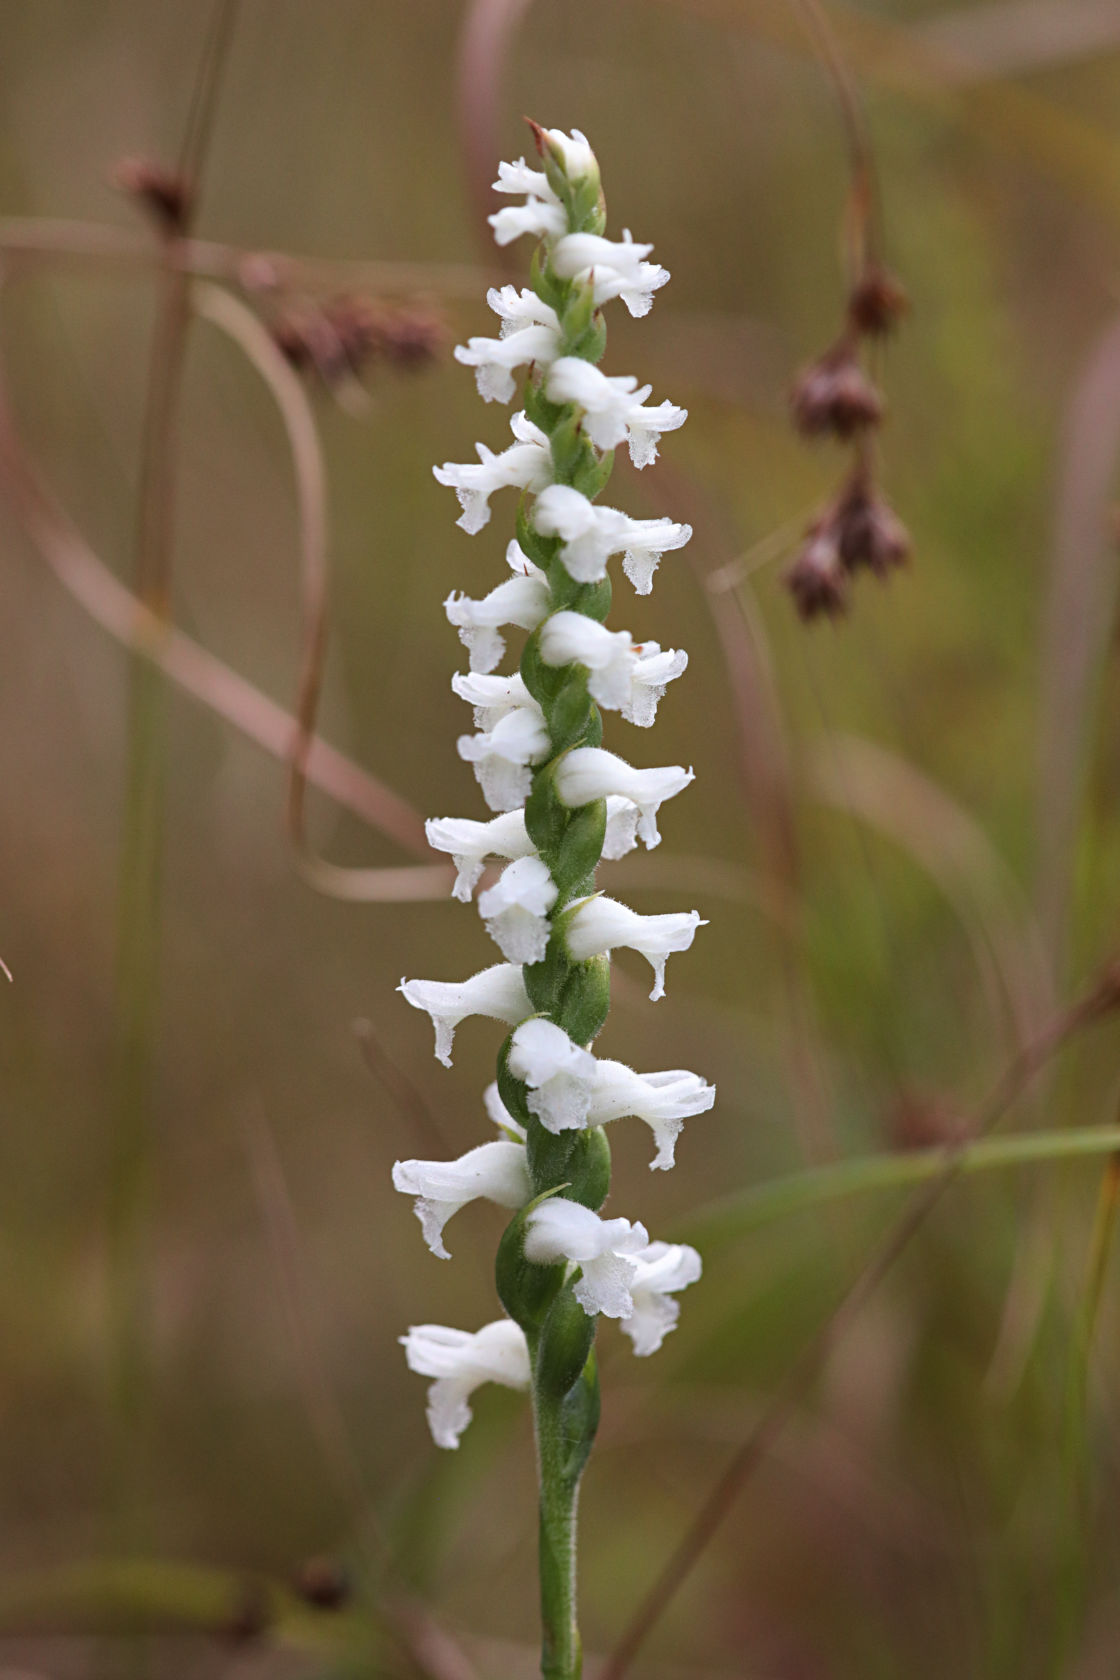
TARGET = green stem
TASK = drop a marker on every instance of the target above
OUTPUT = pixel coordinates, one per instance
(561, 1651)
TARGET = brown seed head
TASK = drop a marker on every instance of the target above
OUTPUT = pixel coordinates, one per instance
(877, 303)
(835, 396)
(250, 1615)
(868, 531)
(323, 1583)
(917, 1120)
(816, 579)
(166, 196)
(339, 339)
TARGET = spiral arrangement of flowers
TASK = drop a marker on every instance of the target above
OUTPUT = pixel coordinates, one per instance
(562, 803)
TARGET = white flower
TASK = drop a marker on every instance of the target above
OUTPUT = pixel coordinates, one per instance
(591, 534)
(651, 672)
(536, 216)
(523, 600)
(515, 910)
(517, 309)
(607, 655)
(622, 828)
(599, 924)
(497, 992)
(500, 1114)
(602, 1248)
(617, 267)
(576, 157)
(470, 843)
(560, 1075)
(494, 359)
(660, 1269)
(502, 756)
(614, 407)
(460, 1362)
(525, 465)
(520, 177)
(621, 677)
(491, 697)
(496, 1172)
(588, 773)
(663, 1100)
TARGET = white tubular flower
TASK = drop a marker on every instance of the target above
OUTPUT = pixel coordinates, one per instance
(660, 1270)
(470, 843)
(461, 1362)
(502, 756)
(494, 359)
(617, 268)
(646, 541)
(607, 655)
(622, 828)
(494, 1172)
(663, 1100)
(591, 534)
(518, 309)
(525, 465)
(588, 773)
(650, 674)
(498, 993)
(524, 601)
(536, 216)
(614, 407)
(599, 924)
(500, 1114)
(520, 177)
(515, 910)
(621, 677)
(491, 697)
(560, 1075)
(602, 1248)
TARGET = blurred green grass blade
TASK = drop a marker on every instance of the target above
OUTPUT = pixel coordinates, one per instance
(131, 1595)
(733, 1216)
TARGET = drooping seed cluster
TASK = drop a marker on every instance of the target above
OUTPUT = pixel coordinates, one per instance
(561, 802)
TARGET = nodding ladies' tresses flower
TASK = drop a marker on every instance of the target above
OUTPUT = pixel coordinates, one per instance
(515, 910)
(535, 216)
(494, 1172)
(603, 1249)
(616, 268)
(523, 599)
(660, 1271)
(497, 992)
(501, 756)
(588, 773)
(461, 1362)
(663, 1100)
(621, 677)
(560, 1076)
(597, 925)
(492, 697)
(525, 465)
(591, 534)
(494, 359)
(471, 843)
(614, 407)
(581, 804)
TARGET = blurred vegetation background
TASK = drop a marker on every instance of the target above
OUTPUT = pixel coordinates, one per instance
(905, 832)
